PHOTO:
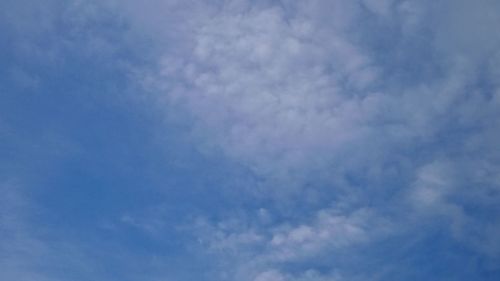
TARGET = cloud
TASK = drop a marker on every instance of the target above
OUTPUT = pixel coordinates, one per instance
(360, 122)
(272, 91)
(286, 92)
(381, 8)
(310, 275)
(380, 111)
(459, 192)
(246, 249)
(467, 29)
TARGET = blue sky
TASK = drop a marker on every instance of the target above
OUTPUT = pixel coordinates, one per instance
(264, 140)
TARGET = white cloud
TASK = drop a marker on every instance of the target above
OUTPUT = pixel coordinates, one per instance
(296, 93)
(448, 190)
(247, 250)
(330, 229)
(434, 182)
(272, 91)
(299, 92)
(309, 275)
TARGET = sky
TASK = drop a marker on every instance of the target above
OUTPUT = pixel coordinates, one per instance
(239, 140)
